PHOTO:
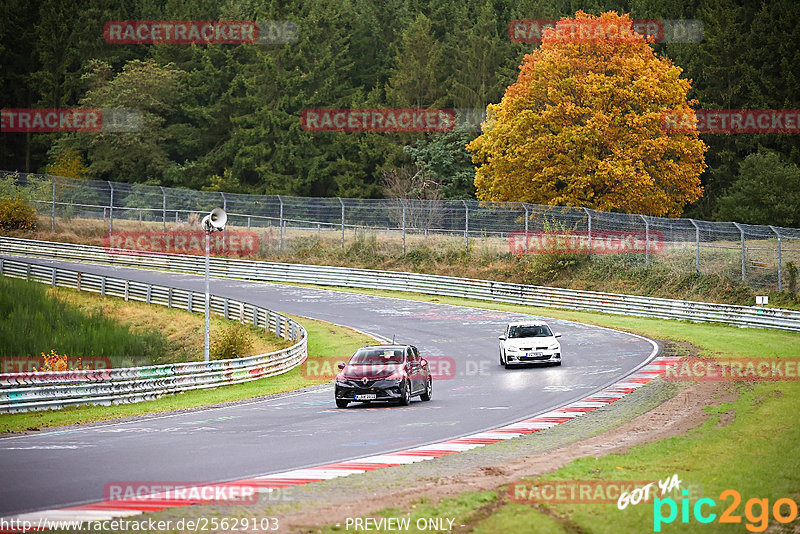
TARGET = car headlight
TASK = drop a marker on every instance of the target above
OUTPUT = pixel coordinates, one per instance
(511, 349)
(554, 346)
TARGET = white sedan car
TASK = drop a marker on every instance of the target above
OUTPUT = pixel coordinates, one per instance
(529, 342)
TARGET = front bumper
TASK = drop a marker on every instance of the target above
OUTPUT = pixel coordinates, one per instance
(382, 389)
(521, 358)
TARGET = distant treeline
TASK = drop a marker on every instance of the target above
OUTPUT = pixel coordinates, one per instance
(227, 116)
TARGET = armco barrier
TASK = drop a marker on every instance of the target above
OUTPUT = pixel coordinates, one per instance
(746, 316)
(21, 392)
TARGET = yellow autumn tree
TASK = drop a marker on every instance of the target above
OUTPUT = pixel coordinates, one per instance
(69, 164)
(581, 126)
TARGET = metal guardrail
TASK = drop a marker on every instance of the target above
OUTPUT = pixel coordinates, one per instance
(745, 316)
(26, 391)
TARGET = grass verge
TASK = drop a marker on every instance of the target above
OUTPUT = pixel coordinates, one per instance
(183, 332)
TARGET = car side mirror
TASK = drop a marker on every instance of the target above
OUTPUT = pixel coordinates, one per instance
(341, 365)
(501, 338)
(557, 335)
(423, 362)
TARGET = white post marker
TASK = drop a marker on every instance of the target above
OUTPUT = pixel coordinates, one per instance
(213, 222)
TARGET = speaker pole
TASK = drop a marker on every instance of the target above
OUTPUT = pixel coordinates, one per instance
(208, 302)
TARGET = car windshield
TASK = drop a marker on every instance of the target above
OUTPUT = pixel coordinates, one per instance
(529, 331)
(377, 356)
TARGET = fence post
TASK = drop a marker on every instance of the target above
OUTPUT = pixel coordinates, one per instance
(646, 242)
(741, 232)
(404, 227)
(53, 210)
(589, 216)
(696, 245)
(777, 233)
(525, 207)
(280, 225)
(111, 209)
(342, 203)
(163, 209)
(466, 224)
(224, 201)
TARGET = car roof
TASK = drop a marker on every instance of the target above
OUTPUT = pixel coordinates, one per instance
(385, 347)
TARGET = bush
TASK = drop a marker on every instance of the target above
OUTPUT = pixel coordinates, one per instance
(233, 342)
(791, 274)
(16, 214)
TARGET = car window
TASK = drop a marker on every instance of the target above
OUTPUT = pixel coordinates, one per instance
(529, 331)
(377, 356)
(411, 356)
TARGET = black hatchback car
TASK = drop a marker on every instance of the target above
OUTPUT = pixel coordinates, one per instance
(383, 373)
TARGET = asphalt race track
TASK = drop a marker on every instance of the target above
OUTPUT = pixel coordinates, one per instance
(62, 468)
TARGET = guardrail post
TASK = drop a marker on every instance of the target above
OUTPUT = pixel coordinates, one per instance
(169, 298)
(404, 227)
(53, 278)
(149, 293)
(189, 302)
(127, 288)
(241, 312)
(103, 286)
(111, 209)
(697, 246)
(342, 203)
(777, 233)
(466, 224)
(77, 279)
(255, 316)
(248, 223)
(2, 266)
(225, 309)
(224, 201)
(646, 242)
(741, 232)
(163, 209)
(53, 210)
(589, 216)
(280, 225)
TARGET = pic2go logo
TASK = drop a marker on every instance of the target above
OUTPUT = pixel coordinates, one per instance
(757, 511)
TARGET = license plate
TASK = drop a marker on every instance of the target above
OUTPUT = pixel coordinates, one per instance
(534, 354)
(368, 396)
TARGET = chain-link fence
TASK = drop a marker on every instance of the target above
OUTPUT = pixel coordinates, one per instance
(760, 255)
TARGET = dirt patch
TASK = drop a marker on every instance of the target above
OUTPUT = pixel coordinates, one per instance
(674, 417)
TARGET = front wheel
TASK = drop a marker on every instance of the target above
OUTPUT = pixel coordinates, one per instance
(428, 390)
(341, 403)
(502, 360)
(405, 400)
